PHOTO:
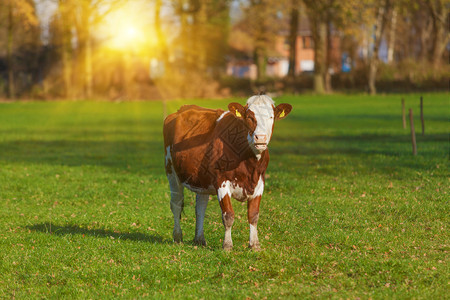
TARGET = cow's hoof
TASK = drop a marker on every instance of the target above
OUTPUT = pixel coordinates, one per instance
(227, 247)
(255, 247)
(200, 241)
(177, 236)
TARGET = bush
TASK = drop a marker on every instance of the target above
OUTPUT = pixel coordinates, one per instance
(410, 75)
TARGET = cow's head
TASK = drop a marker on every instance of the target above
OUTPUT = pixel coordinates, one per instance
(259, 115)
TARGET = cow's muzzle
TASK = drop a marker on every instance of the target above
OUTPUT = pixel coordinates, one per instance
(260, 142)
(260, 146)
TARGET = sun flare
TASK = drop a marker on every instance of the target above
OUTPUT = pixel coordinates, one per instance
(125, 35)
(126, 30)
(131, 32)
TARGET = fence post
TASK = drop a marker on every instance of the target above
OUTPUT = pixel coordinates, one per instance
(413, 133)
(421, 116)
(403, 113)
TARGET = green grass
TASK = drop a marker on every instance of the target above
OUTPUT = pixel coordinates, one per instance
(348, 212)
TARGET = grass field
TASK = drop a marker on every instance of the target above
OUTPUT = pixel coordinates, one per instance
(348, 212)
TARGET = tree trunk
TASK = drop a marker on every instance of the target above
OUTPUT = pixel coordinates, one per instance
(440, 34)
(198, 36)
(392, 36)
(424, 35)
(88, 63)
(163, 54)
(372, 75)
(293, 39)
(374, 61)
(185, 37)
(66, 46)
(329, 49)
(67, 71)
(319, 35)
(9, 55)
(85, 43)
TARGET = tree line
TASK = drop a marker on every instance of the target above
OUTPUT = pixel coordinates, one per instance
(196, 38)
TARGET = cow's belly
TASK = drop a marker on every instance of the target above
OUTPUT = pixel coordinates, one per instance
(210, 190)
(193, 170)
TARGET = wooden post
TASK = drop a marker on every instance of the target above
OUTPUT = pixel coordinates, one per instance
(413, 133)
(421, 116)
(403, 113)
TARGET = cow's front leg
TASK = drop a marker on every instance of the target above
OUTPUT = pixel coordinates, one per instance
(227, 219)
(253, 215)
(200, 209)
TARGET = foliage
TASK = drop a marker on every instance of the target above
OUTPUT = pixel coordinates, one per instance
(348, 212)
(23, 12)
(410, 74)
(260, 25)
(205, 39)
(19, 37)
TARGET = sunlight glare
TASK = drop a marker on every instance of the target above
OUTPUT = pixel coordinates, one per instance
(128, 30)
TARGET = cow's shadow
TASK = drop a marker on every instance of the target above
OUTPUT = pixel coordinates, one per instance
(50, 228)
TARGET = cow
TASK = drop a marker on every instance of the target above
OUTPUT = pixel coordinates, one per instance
(223, 153)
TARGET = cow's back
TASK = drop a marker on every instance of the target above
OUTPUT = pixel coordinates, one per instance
(189, 124)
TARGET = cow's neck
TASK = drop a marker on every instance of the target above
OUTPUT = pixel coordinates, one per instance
(236, 153)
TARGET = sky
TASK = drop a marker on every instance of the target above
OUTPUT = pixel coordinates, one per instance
(45, 9)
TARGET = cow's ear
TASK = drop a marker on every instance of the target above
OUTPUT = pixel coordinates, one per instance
(282, 110)
(237, 109)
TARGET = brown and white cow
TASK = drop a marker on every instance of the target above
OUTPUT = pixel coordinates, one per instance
(223, 153)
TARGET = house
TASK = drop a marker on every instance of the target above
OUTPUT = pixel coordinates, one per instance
(278, 59)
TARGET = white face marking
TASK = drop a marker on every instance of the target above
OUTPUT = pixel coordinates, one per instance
(262, 108)
(264, 118)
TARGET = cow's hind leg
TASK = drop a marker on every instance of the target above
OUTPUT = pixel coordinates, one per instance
(176, 205)
(200, 210)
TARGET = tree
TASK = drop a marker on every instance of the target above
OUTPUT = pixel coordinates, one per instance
(438, 10)
(392, 35)
(162, 42)
(295, 8)
(87, 15)
(317, 17)
(327, 17)
(64, 20)
(329, 14)
(20, 17)
(380, 22)
(203, 32)
(262, 23)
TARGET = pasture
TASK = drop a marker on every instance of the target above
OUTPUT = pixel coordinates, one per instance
(347, 212)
